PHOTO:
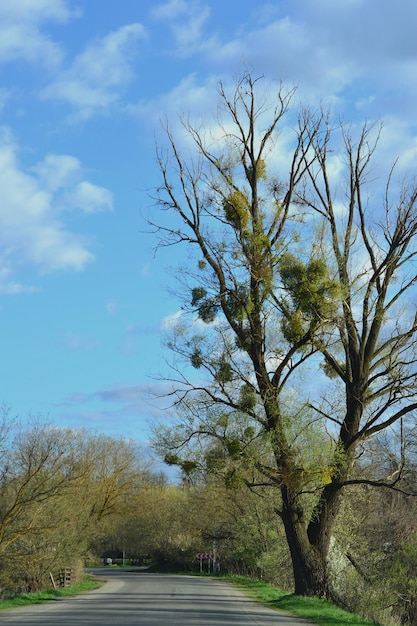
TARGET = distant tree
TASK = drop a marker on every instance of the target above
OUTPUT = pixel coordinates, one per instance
(58, 489)
(114, 470)
(39, 464)
(297, 273)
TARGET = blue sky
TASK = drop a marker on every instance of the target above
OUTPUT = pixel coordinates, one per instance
(83, 87)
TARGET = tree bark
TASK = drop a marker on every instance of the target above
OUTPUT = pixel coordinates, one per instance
(308, 562)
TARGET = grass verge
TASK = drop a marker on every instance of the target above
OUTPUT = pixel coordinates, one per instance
(313, 610)
(26, 599)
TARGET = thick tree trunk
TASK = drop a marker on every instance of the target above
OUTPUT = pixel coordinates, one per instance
(323, 518)
(308, 561)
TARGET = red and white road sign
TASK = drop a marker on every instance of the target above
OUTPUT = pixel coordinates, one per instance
(205, 555)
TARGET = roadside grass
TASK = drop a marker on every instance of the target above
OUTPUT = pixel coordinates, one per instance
(26, 599)
(313, 610)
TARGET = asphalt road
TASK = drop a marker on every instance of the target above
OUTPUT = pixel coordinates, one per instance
(142, 599)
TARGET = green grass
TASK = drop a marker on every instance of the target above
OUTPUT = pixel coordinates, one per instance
(25, 599)
(314, 610)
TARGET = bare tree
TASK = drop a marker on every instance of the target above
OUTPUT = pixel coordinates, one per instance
(59, 489)
(286, 273)
(40, 464)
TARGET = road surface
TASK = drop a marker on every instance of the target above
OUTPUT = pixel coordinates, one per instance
(136, 597)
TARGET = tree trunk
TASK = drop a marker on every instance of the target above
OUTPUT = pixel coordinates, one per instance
(308, 561)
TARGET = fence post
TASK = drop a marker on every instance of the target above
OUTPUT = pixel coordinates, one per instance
(65, 577)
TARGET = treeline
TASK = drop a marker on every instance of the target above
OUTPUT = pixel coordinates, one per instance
(374, 574)
(69, 497)
(60, 491)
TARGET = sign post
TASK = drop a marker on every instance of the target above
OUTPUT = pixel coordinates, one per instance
(211, 557)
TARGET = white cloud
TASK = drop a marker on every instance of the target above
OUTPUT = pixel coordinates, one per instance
(335, 51)
(172, 320)
(9, 286)
(36, 10)
(186, 20)
(56, 171)
(146, 270)
(21, 35)
(32, 227)
(188, 98)
(93, 81)
(13, 288)
(398, 145)
(90, 198)
(76, 342)
(5, 95)
(359, 57)
(170, 10)
(286, 48)
(61, 173)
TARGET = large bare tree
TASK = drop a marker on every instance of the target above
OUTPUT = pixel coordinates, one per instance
(291, 275)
